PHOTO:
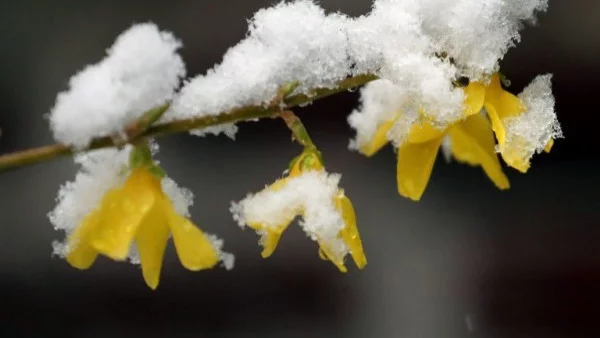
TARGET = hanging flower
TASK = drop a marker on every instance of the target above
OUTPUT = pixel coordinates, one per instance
(135, 211)
(307, 191)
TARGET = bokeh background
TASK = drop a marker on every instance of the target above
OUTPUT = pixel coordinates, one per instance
(467, 261)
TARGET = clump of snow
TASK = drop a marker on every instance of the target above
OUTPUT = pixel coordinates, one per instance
(181, 198)
(310, 195)
(380, 101)
(142, 70)
(227, 259)
(290, 42)
(390, 42)
(529, 132)
(229, 129)
(476, 34)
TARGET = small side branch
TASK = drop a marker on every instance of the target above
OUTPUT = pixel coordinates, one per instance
(297, 128)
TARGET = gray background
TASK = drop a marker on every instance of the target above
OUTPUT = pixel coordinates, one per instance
(467, 261)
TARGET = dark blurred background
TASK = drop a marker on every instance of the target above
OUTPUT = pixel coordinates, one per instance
(467, 261)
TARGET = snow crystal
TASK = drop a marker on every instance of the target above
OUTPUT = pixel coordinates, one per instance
(311, 194)
(142, 70)
(529, 132)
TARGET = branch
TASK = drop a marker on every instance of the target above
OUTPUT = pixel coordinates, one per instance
(45, 153)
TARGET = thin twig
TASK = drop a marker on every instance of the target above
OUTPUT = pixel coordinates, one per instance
(45, 153)
(297, 128)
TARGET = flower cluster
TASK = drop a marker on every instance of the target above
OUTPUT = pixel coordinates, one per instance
(488, 110)
(438, 87)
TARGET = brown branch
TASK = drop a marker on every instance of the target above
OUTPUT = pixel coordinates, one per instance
(45, 153)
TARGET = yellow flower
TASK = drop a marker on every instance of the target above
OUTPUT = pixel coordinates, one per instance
(139, 210)
(471, 141)
(310, 160)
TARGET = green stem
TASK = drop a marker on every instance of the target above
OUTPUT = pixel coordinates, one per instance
(45, 153)
(297, 128)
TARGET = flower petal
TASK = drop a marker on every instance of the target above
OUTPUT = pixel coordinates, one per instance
(415, 163)
(474, 98)
(195, 250)
(350, 233)
(326, 253)
(269, 237)
(122, 214)
(514, 155)
(379, 140)
(549, 146)
(151, 239)
(424, 132)
(472, 141)
(81, 255)
(500, 105)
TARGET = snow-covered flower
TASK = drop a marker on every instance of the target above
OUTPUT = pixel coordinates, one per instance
(521, 126)
(138, 206)
(310, 192)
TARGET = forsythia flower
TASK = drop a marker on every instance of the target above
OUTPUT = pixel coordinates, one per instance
(139, 211)
(471, 139)
(333, 247)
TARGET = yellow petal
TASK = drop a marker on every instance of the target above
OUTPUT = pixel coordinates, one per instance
(549, 146)
(515, 155)
(269, 237)
(424, 132)
(269, 242)
(195, 250)
(122, 214)
(151, 239)
(415, 163)
(326, 253)
(322, 255)
(379, 140)
(350, 233)
(474, 98)
(500, 105)
(472, 141)
(81, 255)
